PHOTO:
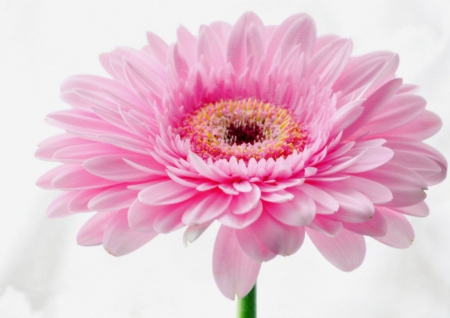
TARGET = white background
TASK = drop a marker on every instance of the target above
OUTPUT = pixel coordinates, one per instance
(43, 273)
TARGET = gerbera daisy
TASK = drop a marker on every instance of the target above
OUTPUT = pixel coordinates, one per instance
(269, 130)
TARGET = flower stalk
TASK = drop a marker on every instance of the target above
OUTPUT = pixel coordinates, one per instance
(247, 305)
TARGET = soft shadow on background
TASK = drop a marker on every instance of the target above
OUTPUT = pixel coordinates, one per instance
(43, 273)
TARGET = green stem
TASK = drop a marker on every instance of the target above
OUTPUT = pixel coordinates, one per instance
(247, 305)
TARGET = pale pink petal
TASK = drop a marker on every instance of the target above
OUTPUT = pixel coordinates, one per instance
(60, 206)
(82, 152)
(45, 181)
(193, 232)
(251, 245)
(91, 233)
(78, 179)
(346, 251)
(419, 210)
(407, 186)
(114, 198)
(376, 226)
(245, 201)
(374, 191)
(277, 237)
(80, 202)
(299, 211)
(206, 206)
(239, 43)
(114, 167)
(157, 47)
(400, 233)
(165, 192)
(234, 272)
(353, 205)
(373, 104)
(416, 148)
(50, 146)
(326, 226)
(141, 216)
(399, 111)
(240, 221)
(423, 127)
(119, 239)
(319, 196)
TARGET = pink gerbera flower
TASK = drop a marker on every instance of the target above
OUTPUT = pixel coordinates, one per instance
(269, 130)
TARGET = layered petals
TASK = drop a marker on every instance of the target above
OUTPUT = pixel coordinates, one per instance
(271, 131)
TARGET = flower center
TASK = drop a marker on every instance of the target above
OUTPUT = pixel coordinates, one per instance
(244, 129)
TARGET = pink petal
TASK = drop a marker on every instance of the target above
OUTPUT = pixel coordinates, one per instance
(165, 192)
(78, 179)
(407, 187)
(277, 197)
(320, 197)
(346, 251)
(240, 221)
(91, 233)
(398, 112)
(141, 216)
(171, 219)
(45, 181)
(114, 198)
(371, 106)
(206, 206)
(376, 226)
(252, 246)
(234, 272)
(419, 210)
(238, 41)
(119, 239)
(422, 127)
(157, 47)
(353, 205)
(374, 191)
(299, 211)
(82, 152)
(245, 201)
(50, 146)
(417, 148)
(193, 232)
(114, 167)
(400, 233)
(80, 202)
(326, 225)
(60, 206)
(277, 237)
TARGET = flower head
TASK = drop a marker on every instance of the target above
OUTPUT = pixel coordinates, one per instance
(269, 130)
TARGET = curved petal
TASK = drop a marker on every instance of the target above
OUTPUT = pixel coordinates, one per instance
(91, 233)
(193, 232)
(119, 239)
(346, 251)
(114, 198)
(206, 206)
(165, 192)
(277, 237)
(407, 186)
(60, 206)
(400, 233)
(234, 272)
(376, 226)
(299, 211)
(240, 221)
(252, 246)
